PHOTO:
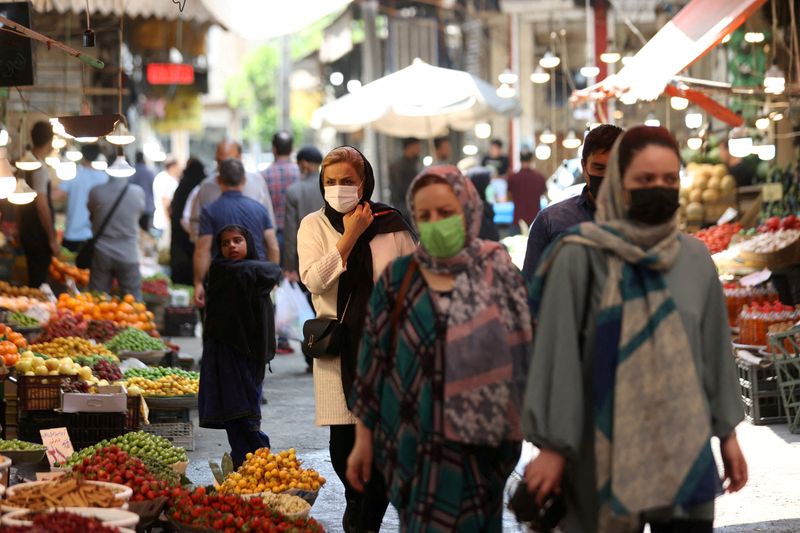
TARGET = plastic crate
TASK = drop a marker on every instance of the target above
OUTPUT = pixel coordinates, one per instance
(29, 424)
(87, 429)
(787, 366)
(134, 419)
(179, 321)
(39, 393)
(760, 396)
(169, 416)
(180, 434)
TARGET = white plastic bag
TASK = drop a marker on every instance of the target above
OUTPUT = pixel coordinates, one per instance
(291, 311)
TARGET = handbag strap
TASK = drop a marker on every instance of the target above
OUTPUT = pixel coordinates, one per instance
(401, 296)
(108, 216)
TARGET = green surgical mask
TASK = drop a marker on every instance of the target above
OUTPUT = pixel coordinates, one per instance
(443, 238)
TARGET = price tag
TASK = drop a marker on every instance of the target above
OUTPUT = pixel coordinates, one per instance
(756, 278)
(772, 192)
(727, 216)
(58, 444)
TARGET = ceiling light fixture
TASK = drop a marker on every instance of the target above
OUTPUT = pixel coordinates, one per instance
(678, 103)
(28, 162)
(547, 137)
(120, 168)
(571, 141)
(22, 194)
(539, 75)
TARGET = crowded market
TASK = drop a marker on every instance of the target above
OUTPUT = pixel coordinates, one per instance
(399, 265)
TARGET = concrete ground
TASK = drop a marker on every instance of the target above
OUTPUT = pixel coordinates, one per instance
(769, 503)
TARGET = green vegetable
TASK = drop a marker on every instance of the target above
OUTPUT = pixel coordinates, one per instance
(134, 340)
(15, 318)
(139, 444)
(154, 373)
(18, 446)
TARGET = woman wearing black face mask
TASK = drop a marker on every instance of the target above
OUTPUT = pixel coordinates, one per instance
(631, 315)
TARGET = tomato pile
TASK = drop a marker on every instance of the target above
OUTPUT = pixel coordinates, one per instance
(116, 466)
(125, 312)
(156, 287)
(10, 344)
(62, 324)
(718, 238)
(231, 514)
(773, 224)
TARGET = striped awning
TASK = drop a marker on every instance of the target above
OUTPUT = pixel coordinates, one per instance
(193, 10)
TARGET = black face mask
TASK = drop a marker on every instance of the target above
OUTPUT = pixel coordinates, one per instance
(653, 206)
(594, 184)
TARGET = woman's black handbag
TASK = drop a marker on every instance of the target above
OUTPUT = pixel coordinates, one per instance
(540, 519)
(323, 337)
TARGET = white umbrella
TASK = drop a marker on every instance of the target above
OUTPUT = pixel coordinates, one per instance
(418, 101)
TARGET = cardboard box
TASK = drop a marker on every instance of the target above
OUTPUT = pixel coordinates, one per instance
(111, 399)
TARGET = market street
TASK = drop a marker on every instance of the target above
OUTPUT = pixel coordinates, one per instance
(769, 503)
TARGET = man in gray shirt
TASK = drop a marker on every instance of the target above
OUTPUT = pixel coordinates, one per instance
(116, 252)
(302, 198)
(209, 191)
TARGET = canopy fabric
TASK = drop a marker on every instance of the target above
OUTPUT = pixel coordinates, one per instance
(193, 10)
(418, 101)
(697, 28)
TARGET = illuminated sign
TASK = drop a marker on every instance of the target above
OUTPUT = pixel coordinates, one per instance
(170, 74)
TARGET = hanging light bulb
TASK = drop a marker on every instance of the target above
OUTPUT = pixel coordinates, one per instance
(483, 130)
(626, 60)
(120, 168)
(7, 180)
(590, 70)
(765, 152)
(88, 140)
(543, 152)
(774, 80)
(508, 77)
(470, 149)
(571, 141)
(762, 123)
(776, 116)
(547, 137)
(549, 60)
(652, 121)
(506, 91)
(3, 135)
(101, 163)
(741, 146)
(53, 160)
(678, 103)
(694, 143)
(754, 37)
(120, 135)
(610, 56)
(694, 120)
(58, 143)
(22, 194)
(353, 86)
(67, 170)
(540, 75)
(336, 78)
(28, 162)
(73, 154)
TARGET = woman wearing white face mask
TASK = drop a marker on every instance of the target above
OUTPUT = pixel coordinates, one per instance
(342, 249)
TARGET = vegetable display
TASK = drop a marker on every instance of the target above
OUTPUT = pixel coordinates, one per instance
(70, 347)
(10, 344)
(137, 444)
(718, 238)
(125, 312)
(264, 471)
(134, 340)
(15, 445)
(59, 270)
(17, 318)
(63, 492)
(62, 522)
(6, 289)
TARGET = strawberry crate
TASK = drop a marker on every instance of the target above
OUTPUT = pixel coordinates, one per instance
(180, 434)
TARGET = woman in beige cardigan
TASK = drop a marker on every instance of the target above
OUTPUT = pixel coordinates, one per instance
(342, 250)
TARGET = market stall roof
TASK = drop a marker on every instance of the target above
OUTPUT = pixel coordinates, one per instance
(193, 10)
(696, 29)
(418, 101)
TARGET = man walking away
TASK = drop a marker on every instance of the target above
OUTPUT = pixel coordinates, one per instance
(35, 221)
(496, 158)
(144, 177)
(279, 176)
(232, 207)
(526, 189)
(78, 228)
(302, 198)
(116, 251)
(402, 172)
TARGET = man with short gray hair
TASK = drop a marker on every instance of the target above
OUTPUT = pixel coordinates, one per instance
(232, 207)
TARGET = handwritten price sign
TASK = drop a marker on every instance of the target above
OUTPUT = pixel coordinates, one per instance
(58, 444)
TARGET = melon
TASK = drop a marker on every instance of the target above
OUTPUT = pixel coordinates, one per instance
(694, 211)
(727, 184)
(710, 196)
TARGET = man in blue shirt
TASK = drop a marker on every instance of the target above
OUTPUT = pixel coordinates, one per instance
(78, 227)
(555, 219)
(143, 177)
(231, 208)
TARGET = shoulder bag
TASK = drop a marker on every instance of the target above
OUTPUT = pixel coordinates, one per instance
(322, 337)
(84, 257)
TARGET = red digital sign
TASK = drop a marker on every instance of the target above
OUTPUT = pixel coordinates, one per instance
(169, 74)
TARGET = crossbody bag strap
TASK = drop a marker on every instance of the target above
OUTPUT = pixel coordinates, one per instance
(399, 302)
(110, 213)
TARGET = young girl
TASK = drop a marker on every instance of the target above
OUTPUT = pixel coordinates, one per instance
(238, 341)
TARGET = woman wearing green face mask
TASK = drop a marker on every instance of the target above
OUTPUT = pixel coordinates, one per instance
(442, 367)
(632, 371)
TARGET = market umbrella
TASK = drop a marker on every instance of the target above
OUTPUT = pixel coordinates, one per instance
(418, 101)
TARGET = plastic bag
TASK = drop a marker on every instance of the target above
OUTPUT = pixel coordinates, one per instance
(291, 310)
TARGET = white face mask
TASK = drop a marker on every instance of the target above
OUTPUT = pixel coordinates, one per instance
(343, 198)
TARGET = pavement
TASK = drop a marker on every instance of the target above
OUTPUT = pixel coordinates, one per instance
(769, 503)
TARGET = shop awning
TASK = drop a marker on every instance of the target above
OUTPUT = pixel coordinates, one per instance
(193, 10)
(695, 30)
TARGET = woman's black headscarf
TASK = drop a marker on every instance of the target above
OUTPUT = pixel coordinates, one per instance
(193, 175)
(181, 247)
(238, 306)
(356, 283)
